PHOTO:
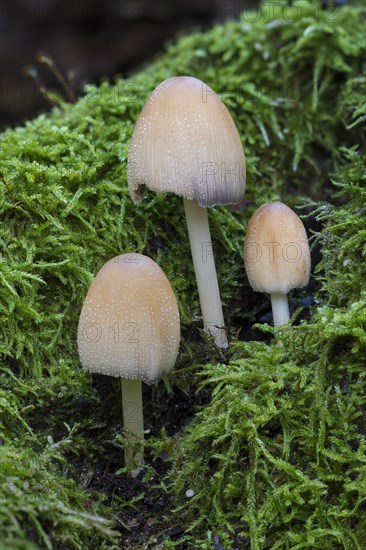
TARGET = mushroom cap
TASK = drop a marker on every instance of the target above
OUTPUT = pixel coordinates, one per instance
(129, 323)
(185, 141)
(276, 250)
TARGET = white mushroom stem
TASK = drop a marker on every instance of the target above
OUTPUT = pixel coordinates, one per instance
(133, 420)
(280, 310)
(204, 266)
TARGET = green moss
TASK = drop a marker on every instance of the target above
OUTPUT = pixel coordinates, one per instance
(278, 454)
(37, 501)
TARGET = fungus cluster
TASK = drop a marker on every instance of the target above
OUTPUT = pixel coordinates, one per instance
(184, 142)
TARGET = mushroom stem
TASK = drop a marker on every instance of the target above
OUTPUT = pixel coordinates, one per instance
(280, 310)
(133, 421)
(204, 266)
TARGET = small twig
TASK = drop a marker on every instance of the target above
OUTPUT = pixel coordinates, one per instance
(67, 86)
(43, 177)
(31, 71)
(2, 180)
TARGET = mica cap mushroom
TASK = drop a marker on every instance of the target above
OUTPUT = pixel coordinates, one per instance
(277, 255)
(185, 142)
(129, 328)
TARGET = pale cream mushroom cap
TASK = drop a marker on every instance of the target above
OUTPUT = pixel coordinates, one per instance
(129, 324)
(276, 250)
(185, 141)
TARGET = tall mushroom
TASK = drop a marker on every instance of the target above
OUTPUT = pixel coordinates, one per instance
(129, 328)
(276, 255)
(186, 142)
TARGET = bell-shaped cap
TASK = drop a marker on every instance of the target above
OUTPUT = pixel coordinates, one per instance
(276, 250)
(129, 323)
(185, 141)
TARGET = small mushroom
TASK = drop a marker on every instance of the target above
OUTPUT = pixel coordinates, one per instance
(276, 255)
(186, 142)
(129, 328)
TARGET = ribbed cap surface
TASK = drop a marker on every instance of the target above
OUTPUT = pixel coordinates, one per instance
(129, 324)
(185, 141)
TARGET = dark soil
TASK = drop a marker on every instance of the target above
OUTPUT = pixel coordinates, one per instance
(143, 521)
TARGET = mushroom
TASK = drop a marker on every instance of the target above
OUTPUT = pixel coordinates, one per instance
(129, 328)
(276, 255)
(186, 142)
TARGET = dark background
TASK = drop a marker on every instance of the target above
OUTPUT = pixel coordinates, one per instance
(93, 39)
(88, 40)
